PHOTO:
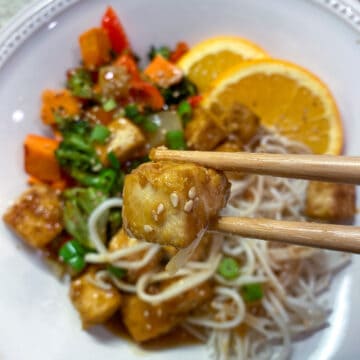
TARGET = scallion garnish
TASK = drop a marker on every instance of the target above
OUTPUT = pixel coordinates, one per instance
(175, 140)
(109, 105)
(99, 134)
(252, 292)
(73, 254)
(116, 271)
(228, 268)
(184, 110)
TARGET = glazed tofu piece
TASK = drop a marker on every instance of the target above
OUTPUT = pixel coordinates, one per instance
(145, 321)
(172, 203)
(94, 304)
(328, 201)
(36, 217)
(238, 121)
(203, 132)
(125, 139)
(122, 241)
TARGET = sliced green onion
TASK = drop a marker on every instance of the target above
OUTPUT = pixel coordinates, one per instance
(131, 111)
(113, 160)
(100, 133)
(116, 271)
(185, 111)
(228, 268)
(252, 292)
(109, 105)
(149, 126)
(72, 253)
(77, 263)
(175, 140)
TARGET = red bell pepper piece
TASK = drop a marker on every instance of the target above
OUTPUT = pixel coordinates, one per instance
(129, 63)
(115, 31)
(145, 93)
(195, 100)
(181, 49)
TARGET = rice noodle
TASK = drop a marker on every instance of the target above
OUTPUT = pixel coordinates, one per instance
(294, 278)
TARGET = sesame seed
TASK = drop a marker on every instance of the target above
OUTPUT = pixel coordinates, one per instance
(188, 206)
(148, 228)
(148, 326)
(155, 215)
(146, 313)
(174, 199)
(192, 193)
(160, 208)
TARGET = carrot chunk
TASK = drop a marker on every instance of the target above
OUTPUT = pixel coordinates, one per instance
(95, 48)
(162, 72)
(40, 160)
(58, 102)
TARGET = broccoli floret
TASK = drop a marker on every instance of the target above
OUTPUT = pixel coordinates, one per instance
(80, 83)
(78, 205)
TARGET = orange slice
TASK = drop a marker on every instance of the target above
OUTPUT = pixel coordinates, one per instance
(287, 98)
(206, 60)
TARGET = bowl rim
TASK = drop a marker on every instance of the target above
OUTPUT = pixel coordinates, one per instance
(39, 12)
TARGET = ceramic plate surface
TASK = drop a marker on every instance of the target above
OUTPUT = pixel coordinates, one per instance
(37, 320)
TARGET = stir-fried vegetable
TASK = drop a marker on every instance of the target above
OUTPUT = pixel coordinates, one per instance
(179, 92)
(78, 205)
(167, 121)
(80, 83)
(164, 51)
(116, 271)
(73, 254)
(252, 292)
(228, 268)
(99, 134)
(175, 140)
(185, 111)
(115, 31)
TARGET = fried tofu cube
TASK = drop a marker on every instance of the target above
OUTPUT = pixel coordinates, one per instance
(36, 217)
(203, 132)
(95, 48)
(145, 321)
(172, 203)
(122, 241)
(58, 102)
(238, 120)
(95, 305)
(329, 201)
(125, 139)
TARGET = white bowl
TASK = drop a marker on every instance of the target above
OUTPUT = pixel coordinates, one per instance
(37, 320)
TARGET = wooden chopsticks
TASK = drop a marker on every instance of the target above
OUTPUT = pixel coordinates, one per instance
(342, 169)
(327, 236)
